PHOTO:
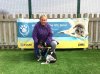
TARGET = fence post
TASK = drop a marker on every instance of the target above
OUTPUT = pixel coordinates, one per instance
(30, 9)
(96, 31)
(94, 28)
(85, 15)
(48, 16)
(90, 32)
(53, 16)
(69, 15)
(78, 8)
(99, 32)
(5, 31)
(74, 15)
(37, 16)
(15, 31)
(1, 32)
(58, 15)
(26, 16)
(63, 16)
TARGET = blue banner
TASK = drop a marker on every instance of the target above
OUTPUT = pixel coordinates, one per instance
(71, 33)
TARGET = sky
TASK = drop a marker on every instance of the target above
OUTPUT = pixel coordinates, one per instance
(49, 6)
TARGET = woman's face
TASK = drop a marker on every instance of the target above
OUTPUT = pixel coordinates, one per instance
(43, 20)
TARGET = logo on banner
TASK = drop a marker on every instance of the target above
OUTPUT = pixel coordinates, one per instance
(24, 30)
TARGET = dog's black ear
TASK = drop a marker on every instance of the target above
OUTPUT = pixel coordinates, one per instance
(57, 42)
(40, 43)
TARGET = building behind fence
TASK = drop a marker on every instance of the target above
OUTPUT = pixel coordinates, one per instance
(8, 28)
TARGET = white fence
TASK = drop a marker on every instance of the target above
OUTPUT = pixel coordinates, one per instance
(8, 28)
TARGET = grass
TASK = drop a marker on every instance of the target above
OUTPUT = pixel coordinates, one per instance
(69, 62)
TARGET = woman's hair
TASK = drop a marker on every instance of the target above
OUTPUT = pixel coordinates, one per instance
(43, 16)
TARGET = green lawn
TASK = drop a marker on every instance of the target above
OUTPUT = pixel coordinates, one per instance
(69, 62)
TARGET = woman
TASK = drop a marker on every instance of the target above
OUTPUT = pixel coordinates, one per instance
(42, 32)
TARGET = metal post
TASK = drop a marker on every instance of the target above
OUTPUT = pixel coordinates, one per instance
(30, 9)
(78, 8)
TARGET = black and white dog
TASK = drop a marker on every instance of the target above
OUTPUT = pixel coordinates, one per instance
(50, 56)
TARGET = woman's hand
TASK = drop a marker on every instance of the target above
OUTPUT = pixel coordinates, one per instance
(39, 46)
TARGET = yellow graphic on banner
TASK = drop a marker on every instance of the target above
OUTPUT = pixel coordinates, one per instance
(73, 44)
(25, 44)
(62, 44)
